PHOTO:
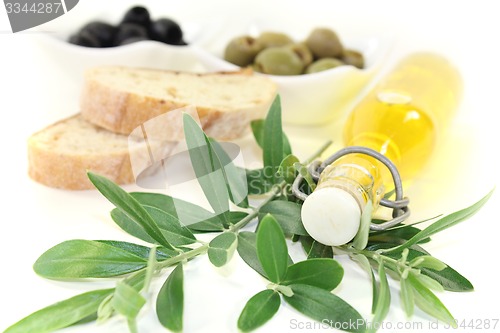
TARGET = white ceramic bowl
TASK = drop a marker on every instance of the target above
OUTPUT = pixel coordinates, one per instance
(73, 60)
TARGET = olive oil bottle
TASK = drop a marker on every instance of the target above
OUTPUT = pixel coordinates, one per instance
(401, 118)
(404, 114)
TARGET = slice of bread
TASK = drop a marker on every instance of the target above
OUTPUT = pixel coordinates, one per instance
(61, 154)
(122, 98)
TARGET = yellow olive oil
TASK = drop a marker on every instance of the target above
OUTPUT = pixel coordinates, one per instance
(403, 115)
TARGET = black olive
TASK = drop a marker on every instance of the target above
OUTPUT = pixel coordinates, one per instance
(132, 40)
(84, 38)
(166, 31)
(129, 30)
(137, 15)
(104, 32)
(182, 42)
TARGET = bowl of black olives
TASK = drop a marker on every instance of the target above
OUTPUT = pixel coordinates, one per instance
(317, 75)
(137, 37)
(136, 25)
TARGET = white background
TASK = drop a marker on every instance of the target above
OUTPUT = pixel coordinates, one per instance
(35, 90)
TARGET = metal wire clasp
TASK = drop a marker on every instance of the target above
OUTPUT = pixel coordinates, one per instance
(401, 211)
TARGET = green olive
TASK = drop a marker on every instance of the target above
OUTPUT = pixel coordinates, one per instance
(323, 64)
(279, 61)
(271, 39)
(242, 50)
(353, 58)
(303, 52)
(324, 43)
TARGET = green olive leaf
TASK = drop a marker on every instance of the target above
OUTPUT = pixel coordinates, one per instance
(442, 224)
(322, 273)
(429, 303)
(287, 214)
(127, 301)
(208, 168)
(396, 235)
(450, 279)
(382, 301)
(407, 298)
(136, 280)
(151, 269)
(247, 250)
(170, 301)
(235, 177)
(287, 170)
(79, 258)
(190, 215)
(325, 307)
(271, 249)
(314, 249)
(258, 310)
(389, 194)
(375, 247)
(361, 239)
(287, 147)
(272, 141)
(426, 261)
(175, 233)
(105, 309)
(61, 314)
(257, 126)
(140, 250)
(221, 248)
(363, 261)
(128, 205)
(258, 133)
(429, 282)
(130, 227)
(215, 170)
(304, 172)
(170, 227)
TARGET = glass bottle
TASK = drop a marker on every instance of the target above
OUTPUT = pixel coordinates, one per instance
(400, 118)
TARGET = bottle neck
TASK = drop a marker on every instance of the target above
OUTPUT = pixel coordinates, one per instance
(358, 175)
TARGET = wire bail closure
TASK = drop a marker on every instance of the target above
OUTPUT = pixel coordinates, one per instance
(401, 211)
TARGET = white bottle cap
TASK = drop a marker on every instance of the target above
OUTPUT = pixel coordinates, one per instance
(331, 216)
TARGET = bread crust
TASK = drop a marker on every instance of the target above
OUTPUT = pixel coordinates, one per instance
(69, 172)
(121, 159)
(121, 111)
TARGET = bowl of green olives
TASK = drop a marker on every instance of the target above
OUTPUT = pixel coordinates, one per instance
(318, 76)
